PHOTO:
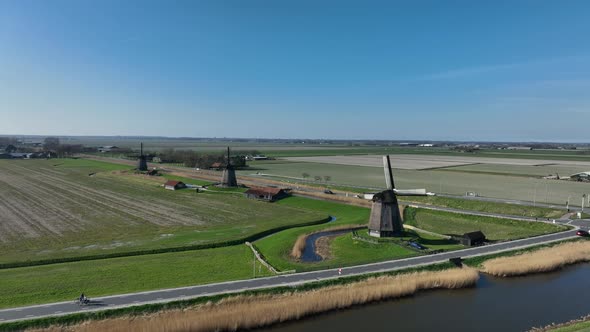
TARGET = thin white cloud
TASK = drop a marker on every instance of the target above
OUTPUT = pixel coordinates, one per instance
(491, 68)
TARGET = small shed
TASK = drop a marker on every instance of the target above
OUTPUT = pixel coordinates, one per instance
(174, 185)
(473, 239)
(266, 193)
(217, 166)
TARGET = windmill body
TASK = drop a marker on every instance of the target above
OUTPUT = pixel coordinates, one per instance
(228, 179)
(142, 161)
(385, 220)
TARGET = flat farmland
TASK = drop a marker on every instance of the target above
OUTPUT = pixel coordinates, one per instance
(527, 188)
(520, 170)
(421, 162)
(66, 208)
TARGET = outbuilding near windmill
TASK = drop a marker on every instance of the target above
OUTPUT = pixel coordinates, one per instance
(266, 193)
(174, 185)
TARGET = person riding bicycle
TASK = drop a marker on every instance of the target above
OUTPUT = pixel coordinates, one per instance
(82, 298)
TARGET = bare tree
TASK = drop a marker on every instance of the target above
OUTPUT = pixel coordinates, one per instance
(305, 175)
(317, 178)
(327, 178)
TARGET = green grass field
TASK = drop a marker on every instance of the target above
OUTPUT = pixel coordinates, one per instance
(63, 282)
(483, 206)
(68, 208)
(495, 229)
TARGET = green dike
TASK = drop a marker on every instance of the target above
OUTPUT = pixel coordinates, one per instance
(483, 206)
(150, 308)
(63, 282)
(495, 229)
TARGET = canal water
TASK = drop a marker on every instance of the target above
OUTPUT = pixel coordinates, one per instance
(495, 304)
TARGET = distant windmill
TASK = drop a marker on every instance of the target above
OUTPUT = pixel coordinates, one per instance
(385, 220)
(228, 178)
(142, 161)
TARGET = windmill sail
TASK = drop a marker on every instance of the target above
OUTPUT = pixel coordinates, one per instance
(390, 185)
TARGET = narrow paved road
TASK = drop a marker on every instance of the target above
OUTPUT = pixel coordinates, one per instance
(167, 295)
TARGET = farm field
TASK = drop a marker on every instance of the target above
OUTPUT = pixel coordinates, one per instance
(420, 162)
(54, 209)
(518, 170)
(64, 282)
(495, 229)
(527, 188)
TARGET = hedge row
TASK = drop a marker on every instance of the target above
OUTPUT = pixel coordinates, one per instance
(250, 238)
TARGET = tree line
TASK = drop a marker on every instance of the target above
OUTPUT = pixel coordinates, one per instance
(190, 158)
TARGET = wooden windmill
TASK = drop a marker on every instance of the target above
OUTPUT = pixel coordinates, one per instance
(142, 161)
(228, 179)
(385, 220)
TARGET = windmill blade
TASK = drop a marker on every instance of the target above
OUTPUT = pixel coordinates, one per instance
(388, 174)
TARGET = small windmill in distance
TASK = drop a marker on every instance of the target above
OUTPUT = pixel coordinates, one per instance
(142, 161)
(385, 220)
(228, 179)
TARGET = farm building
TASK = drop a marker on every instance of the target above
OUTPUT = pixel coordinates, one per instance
(473, 239)
(266, 193)
(174, 185)
(216, 166)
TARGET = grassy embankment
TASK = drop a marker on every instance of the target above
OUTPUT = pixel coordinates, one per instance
(495, 229)
(67, 208)
(244, 312)
(62, 282)
(576, 325)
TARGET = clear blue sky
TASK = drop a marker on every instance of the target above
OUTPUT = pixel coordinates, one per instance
(460, 70)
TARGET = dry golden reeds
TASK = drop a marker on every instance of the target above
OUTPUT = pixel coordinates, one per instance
(243, 312)
(542, 260)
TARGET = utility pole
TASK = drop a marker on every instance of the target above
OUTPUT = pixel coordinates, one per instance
(567, 204)
(583, 199)
(535, 195)
(254, 267)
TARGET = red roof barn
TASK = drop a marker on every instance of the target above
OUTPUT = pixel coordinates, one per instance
(174, 185)
(266, 193)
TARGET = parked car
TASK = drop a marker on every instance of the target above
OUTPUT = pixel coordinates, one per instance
(582, 233)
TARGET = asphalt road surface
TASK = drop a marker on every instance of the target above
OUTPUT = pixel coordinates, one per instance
(167, 295)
